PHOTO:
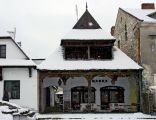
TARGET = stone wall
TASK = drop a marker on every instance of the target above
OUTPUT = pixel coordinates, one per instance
(126, 24)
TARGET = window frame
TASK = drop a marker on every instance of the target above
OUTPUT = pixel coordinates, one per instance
(111, 89)
(82, 92)
(2, 55)
(12, 86)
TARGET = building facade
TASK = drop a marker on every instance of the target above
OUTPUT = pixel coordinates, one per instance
(135, 33)
(18, 75)
(88, 74)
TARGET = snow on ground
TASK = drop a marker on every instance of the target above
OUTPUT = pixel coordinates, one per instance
(11, 111)
(104, 116)
(6, 116)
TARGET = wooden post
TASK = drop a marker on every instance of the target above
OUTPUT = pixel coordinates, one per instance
(89, 79)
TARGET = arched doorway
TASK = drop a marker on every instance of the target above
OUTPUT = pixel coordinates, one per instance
(79, 96)
(111, 94)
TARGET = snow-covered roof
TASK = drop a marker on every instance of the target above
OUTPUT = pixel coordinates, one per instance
(16, 62)
(141, 14)
(120, 62)
(88, 34)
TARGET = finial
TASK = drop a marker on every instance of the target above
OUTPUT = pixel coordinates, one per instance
(86, 6)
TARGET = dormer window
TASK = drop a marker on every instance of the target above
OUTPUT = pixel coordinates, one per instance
(2, 51)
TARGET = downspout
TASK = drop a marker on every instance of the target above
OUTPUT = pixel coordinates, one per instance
(139, 107)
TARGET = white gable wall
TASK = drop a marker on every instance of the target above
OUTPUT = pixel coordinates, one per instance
(28, 86)
(12, 51)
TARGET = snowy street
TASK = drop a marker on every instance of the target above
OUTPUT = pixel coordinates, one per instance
(104, 116)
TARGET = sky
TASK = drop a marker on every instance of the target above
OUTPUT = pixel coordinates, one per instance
(40, 24)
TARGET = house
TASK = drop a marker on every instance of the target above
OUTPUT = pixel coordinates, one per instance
(135, 33)
(88, 74)
(18, 74)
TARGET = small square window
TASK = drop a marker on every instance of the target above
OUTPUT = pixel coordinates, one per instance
(12, 88)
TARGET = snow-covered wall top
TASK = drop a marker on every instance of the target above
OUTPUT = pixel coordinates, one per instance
(120, 61)
(16, 62)
(88, 34)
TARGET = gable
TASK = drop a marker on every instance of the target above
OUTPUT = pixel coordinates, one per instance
(13, 51)
(152, 15)
(86, 22)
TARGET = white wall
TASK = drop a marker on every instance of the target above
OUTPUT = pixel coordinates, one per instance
(124, 82)
(28, 86)
(12, 51)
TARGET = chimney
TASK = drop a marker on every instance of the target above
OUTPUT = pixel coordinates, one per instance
(147, 6)
(112, 30)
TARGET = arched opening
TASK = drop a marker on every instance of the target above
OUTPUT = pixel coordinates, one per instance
(53, 99)
(79, 95)
(111, 94)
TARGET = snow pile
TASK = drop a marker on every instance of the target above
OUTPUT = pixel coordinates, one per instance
(6, 116)
(7, 108)
(88, 34)
(120, 61)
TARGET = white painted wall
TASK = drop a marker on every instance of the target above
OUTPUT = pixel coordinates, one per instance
(12, 51)
(28, 86)
(124, 82)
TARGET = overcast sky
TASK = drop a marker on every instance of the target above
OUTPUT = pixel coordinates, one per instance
(41, 24)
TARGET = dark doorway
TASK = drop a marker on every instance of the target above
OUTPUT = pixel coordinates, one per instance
(47, 97)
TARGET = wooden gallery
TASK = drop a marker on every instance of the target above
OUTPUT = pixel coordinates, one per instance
(87, 73)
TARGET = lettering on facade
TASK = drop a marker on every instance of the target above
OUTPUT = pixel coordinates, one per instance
(99, 81)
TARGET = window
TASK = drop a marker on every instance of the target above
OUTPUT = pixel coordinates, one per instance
(118, 43)
(111, 94)
(125, 32)
(2, 51)
(114, 94)
(13, 89)
(101, 52)
(76, 53)
(152, 47)
(80, 95)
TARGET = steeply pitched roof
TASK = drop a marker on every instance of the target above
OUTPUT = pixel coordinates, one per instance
(86, 22)
(141, 14)
(87, 29)
(8, 37)
(16, 62)
(120, 62)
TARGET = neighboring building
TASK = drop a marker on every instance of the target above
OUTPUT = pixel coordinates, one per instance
(88, 74)
(135, 33)
(18, 75)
